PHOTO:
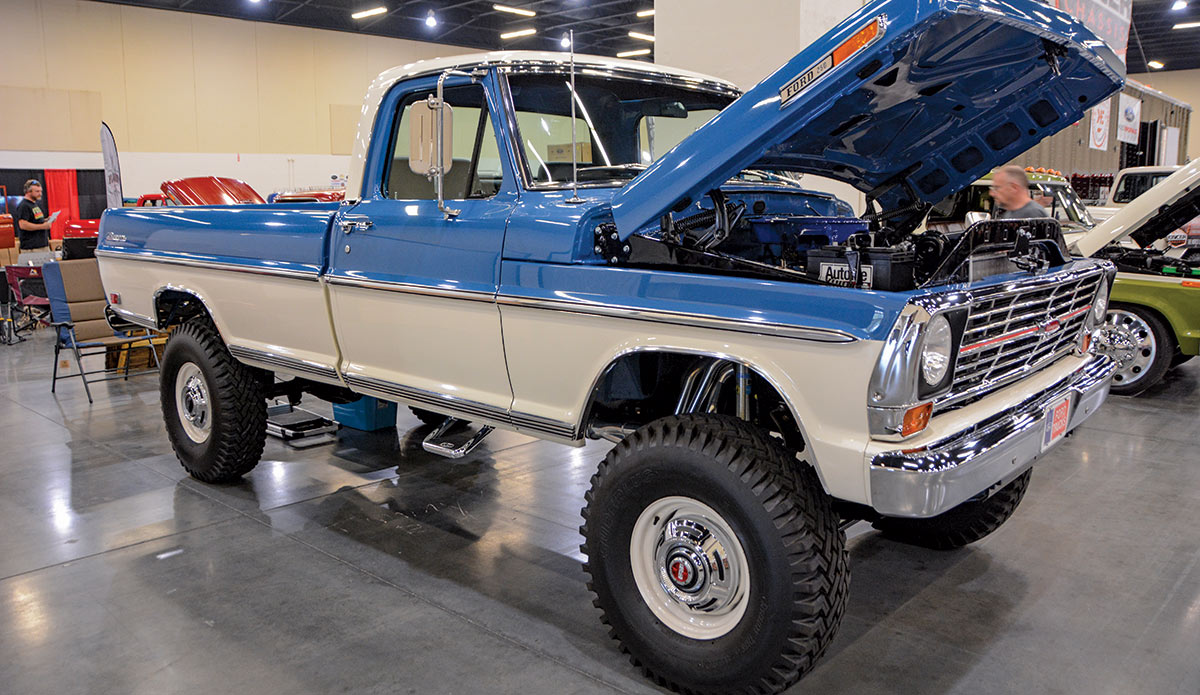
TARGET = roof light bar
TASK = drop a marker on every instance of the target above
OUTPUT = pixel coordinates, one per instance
(640, 35)
(519, 33)
(368, 13)
(514, 10)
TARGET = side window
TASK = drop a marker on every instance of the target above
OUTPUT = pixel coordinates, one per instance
(476, 171)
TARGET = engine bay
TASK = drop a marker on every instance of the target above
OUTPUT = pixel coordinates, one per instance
(815, 238)
(1173, 262)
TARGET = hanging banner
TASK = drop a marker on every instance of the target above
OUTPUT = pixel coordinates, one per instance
(1109, 19)
(1098, 139)
(112, 168)
(1129, 119)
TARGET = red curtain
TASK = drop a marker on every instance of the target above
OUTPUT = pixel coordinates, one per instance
(61, 194)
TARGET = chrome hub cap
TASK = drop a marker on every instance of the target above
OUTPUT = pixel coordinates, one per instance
(689, 567)
(191, 402)
(1132, 345)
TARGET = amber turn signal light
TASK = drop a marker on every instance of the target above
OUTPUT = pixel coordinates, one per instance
(916, 419)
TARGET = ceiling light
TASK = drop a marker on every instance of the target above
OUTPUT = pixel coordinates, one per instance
(430, 19)
(630, 54)
(565, 42)
(1179, 5)
(650, 13)
(514, 10)
(1155, 65)
(368, 13)
(1187, 25)
(518, 33)
(640, 35)
(255, 1)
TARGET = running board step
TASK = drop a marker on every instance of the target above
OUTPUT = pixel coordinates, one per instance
(434, 443)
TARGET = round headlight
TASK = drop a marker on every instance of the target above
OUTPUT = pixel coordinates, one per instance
(935, 354)
(1100, 306)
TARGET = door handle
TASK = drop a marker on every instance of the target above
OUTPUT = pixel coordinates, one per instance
(352, 223)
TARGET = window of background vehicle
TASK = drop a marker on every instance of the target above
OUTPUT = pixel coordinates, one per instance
(658, 134)
(1132, 185)
(476, 171)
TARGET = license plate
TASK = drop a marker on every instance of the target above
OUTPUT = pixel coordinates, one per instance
(1058, 416)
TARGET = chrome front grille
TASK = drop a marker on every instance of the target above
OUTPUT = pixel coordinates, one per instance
(1010, 333)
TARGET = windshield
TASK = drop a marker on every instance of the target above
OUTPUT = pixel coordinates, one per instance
(621, 125)
(1062, 203)
(1132, 185)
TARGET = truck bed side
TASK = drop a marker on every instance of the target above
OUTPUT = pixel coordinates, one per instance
(255, 267)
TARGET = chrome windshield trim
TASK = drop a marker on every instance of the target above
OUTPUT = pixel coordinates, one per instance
(679, 318)
(410, 288)
(168, 258)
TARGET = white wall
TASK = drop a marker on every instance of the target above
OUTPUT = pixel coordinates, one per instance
(1183, 85)
(743, 44)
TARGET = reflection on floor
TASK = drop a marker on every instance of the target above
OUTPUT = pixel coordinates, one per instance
(369, 566)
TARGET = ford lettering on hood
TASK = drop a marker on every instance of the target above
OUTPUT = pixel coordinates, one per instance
(907, 102)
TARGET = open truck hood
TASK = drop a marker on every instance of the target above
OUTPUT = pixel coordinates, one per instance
(1167, 206)
(906, 100)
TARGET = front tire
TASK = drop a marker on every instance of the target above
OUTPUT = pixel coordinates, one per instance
(715, 556)
(968, 522)
(214, 407)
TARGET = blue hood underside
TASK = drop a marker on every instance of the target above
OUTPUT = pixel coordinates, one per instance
(938, 94)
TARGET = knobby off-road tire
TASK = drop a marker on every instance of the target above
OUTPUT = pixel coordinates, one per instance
(721, 482)
(966, 523)
(214, 407)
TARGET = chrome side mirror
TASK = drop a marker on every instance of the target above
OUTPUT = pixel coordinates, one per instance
(431, 142)
(424, 145)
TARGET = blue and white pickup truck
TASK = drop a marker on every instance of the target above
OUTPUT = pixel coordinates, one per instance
(604, 249)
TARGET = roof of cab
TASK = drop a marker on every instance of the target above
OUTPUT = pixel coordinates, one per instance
(391, 76)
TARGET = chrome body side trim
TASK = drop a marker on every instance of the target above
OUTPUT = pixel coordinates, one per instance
(820, 335)
(132, 317)
(462, 408)
(409, 288)
(174, 259)
(986, 456)
(269, 360)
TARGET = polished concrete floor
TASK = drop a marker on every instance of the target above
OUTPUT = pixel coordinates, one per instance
(368, 566)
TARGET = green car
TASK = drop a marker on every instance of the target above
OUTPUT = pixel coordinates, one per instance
(1154, 316)
(1154, 311)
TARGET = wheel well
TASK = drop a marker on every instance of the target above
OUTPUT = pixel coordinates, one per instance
(173, 307)
(643, 386)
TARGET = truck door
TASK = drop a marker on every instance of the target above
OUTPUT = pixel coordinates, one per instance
(413, 292)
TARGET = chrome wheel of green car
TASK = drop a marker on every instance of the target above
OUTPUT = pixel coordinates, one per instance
(1146, 354)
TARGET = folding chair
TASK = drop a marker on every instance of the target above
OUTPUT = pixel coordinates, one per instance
(27, 309)
(79, 308)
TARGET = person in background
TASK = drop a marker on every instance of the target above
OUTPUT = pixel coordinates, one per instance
(1010, 190)
(33, 227)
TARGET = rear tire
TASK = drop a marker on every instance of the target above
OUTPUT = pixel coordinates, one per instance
(966, 523)
(715, 556)
(428, 417)
(214, 407)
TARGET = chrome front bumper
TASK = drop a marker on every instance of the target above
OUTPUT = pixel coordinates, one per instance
(986, 457)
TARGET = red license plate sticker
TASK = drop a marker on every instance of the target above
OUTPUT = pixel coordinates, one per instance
(1058, 416)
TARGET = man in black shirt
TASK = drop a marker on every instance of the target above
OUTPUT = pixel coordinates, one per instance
(33, 227)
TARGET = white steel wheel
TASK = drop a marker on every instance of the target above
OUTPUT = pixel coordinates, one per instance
(689, 567)
(1136, 365)
(192, 402)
